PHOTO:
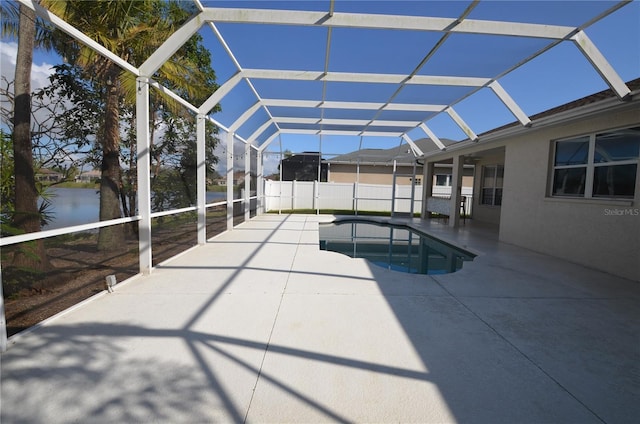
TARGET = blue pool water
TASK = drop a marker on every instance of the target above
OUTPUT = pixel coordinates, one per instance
(393, 247)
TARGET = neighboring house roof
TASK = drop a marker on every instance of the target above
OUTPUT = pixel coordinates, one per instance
(402, 154)
(94, 172)
(47, 171)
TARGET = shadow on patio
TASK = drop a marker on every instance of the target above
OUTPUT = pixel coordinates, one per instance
(259, 325)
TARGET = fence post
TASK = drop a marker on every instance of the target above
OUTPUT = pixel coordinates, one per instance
(355, 197)
(316, 197)
(294, 192)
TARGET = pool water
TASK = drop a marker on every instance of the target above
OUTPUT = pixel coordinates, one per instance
(397, 248)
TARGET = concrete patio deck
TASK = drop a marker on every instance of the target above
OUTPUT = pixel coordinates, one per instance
(259, 325)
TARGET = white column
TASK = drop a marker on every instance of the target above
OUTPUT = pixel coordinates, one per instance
(260, 184)
(294, 194)
(456, 191)
(230, 181)
(393, 190)
(3, 320)
(201, 178)
(144, 175)
(428, 170)
(356, 185)
(247, 182)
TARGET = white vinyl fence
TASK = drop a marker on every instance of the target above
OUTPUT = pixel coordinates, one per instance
(292, 195)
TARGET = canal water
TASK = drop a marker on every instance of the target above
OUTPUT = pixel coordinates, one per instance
(76, 206)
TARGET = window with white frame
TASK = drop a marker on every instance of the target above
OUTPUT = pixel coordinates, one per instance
(491, 185)
(601, 165)
(443, 180)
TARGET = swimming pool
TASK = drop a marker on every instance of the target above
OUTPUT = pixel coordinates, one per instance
(393, 247)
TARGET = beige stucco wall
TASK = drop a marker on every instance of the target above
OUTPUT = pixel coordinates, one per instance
(372, 174)
(369, 174)
(588, 232)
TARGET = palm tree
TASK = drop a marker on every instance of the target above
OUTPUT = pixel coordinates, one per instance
(26, 216)
(132, 29)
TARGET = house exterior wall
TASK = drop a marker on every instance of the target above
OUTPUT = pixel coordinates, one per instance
(486, 213)
(369, 174)
(584, 231)
(381, 174)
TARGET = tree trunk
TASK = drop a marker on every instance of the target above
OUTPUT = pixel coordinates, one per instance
(111, 238)
(30, 255)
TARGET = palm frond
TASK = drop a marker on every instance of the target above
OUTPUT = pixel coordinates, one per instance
(10, 18)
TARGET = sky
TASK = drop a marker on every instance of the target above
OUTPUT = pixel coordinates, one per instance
(558, 76)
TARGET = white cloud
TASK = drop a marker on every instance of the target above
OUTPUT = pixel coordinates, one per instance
(40, 75)
(8, 52)
(270, 164)
(39, 72)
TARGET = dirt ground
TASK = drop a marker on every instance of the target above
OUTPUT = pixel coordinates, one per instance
(79, 272)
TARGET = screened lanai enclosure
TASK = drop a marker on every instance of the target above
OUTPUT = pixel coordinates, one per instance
(363, 80)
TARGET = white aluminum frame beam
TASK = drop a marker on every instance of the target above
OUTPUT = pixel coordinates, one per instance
(416, 150)
(604, 68)
(268, 141)
(363, 77)
(219, 94)
(331, 121)
(245, 116)
(236, 63)
(173, 95)
(434, 138)
(260, 130)
(335, 132)
(171, 45)
(80, 36)
(410, 107)
(463, 125)
(400, 22)
(517, 29)
(508, 101)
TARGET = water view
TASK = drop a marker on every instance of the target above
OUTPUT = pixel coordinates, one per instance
(76, 206)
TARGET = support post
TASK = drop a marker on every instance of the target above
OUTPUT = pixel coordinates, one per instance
(144, 175)
(413, 190)
(356, 186)
(260, 183)
(3, 319)
(247, 182)
(201, 179)
(294, 194)
(393, 190)
(456, 191)
(428, 169)
(230, 137)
